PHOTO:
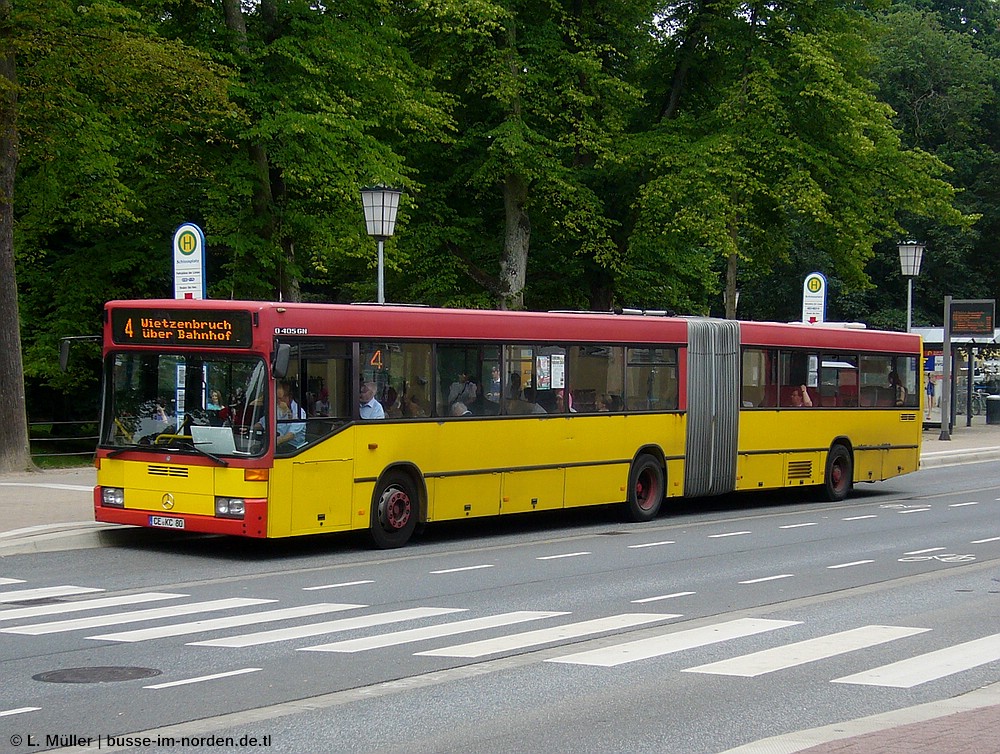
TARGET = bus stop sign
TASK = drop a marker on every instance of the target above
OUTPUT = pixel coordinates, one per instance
(814, 298)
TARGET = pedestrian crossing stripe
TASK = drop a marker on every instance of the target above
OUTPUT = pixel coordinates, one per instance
(45, 592)
(329, 627)
(811, 650)
(664, 644)
(380, 641)
(74, 624)
(906, 674)
(212, 624)
(548, 635)
(16, 613)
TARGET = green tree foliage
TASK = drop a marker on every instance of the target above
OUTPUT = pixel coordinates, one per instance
(580, 154)
(114, 125)
(788, 144)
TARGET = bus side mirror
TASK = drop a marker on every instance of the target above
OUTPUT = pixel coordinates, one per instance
(64, 346)
(279, 363)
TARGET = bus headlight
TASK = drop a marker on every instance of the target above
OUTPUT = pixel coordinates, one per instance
(230, 507)
(112, 497)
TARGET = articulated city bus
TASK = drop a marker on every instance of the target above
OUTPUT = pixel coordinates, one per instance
(280, 419)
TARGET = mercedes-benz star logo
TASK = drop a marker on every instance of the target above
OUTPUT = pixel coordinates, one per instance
(167, 502)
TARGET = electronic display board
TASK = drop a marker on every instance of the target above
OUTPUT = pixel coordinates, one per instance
(182, 327)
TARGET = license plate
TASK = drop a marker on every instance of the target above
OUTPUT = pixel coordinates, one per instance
(166, 522)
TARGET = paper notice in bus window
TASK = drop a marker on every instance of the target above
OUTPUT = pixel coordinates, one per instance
(558, 370)
(543, 372)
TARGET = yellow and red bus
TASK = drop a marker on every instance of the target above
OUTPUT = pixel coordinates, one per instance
(285, 419)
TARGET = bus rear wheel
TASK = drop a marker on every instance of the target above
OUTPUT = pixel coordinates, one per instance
(646, 489)
(839, 478)
(395, 510)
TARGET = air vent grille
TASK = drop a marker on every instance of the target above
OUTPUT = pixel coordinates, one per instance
(172, 471)
(799, 469)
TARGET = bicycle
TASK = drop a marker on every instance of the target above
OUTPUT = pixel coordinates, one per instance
(979, 402)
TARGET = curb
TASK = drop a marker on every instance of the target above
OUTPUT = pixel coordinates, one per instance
(76, 535)
(958, 457)
(790, 743)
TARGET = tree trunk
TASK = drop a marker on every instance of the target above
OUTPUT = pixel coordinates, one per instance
(269, 185)
(732, 264)
(517, 238)
(731, 292)
(15, 452)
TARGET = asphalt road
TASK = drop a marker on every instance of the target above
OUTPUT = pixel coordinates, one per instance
(730, 621)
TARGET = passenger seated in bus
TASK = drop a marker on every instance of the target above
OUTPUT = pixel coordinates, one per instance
(370, 408)
(322, 405)
(482, 405)
(460, 409)
(290, 433)
(800, 397)
(462, 390)
(392, 405)
(899, 391)
(413, 406)
(560, 403)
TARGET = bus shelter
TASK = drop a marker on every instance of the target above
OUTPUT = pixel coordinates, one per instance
(975, 374)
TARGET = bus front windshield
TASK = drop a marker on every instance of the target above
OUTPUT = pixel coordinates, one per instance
(204, 404)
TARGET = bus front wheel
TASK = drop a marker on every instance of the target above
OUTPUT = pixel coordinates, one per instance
(395, 510)
(646, 489)
(839, 474)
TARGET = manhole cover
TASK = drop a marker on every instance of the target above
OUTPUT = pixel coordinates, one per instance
(95, 675)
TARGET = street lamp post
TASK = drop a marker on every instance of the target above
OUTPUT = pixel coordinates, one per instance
(380, 203)
(910, 255)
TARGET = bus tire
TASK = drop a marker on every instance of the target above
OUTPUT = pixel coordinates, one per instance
(395, 510)
(839, 478)
(646, 489)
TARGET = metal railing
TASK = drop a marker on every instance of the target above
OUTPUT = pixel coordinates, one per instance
(61, 443)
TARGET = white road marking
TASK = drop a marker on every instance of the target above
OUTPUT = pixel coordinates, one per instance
(913, 510)
(906, 674)
(769, 578)
(853, 563)
(200, 679)
(20, 595)
(548, 635)
(564, 555)
(984, 541)
(212, 624)
(664, 597)
(961, 505)
(96, 604)
(811, 650)
(859, 518)
(652, 544)
(797, 526)
(328, 627)
(11, 581)
(921, 552)
(679, 641)
(49, 486)
(430, 632)
(336, 586)
(73, 624)
(728, 534)
(18, 711)
(463, 568)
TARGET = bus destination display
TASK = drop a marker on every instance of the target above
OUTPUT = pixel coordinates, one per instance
(199, 328)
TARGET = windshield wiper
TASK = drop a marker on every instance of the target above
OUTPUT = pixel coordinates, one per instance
(125, 449)
(220, 461)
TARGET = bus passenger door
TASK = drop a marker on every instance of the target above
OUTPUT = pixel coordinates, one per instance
(713, 393)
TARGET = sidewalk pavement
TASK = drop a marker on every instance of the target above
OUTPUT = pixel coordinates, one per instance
(53, 510)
